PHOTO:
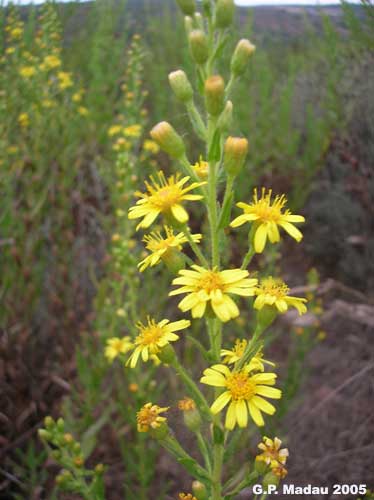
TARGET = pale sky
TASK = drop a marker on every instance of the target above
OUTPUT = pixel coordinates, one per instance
(238, 2)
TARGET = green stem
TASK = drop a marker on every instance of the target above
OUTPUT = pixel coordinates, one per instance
(196, 120)
(217, 472)
(230, 85)
(195, 246)
(204, 451)
(248, 257)
(194, 390)
(251, 347)
(173, 447)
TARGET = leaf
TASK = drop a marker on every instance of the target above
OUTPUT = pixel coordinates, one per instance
(225, 215)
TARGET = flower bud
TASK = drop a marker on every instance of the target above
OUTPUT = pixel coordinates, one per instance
(199, 21)
(60, 424)
(49, 422)
(214, 95)
(236, 150)
(160, 432)
(167, 354)
(44, 434)
(225, 11)
(225, 120)
(270, 479)
(188, 24)
(199, 490)
(261, 466)
(187, 6)
(199, 46)
(181, 86)
(191, 415)
(240, 58)
(168, 139)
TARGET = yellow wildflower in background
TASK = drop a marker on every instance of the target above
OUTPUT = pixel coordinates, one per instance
(267, 215)
(186, 496)
(65, 80)
(24, 120)
(50, 62)
(114, 130)
(132, 131)
(244, 392)
(209, 286)
(274, 292)
(148, 417)
(160, 246)
(122, 144)
(116, 346)
(235, 354)
(12, 150)
(153, 337)
(273, 456)
(27, 71)
(164, 197)
(83, 111)
(201, 168)
(16, 33)
(151, 146)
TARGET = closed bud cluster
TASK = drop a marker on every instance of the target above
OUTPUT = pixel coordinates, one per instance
(187, 6)
(225, 11)
(199, 46)
(181, 86)
(191, 415)
(241, 56)
(214, 95)
(236, 150)
(168, 139)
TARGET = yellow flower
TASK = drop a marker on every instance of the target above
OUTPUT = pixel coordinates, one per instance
(65, 80)
(24, 120)
(244, 393)
(50, 62)
(10, 50)
(204, 286)
(153, 337)
(186, 496)
(116, 346)
(148, 417)
(48, 103)
(77, 97)
(151, 146)
(27, 71)
(187, 404)
(201, 168)
(114, 130)
(274, 292)
(160, 247)
(132, 131)
(82, 111)
(273, 455)
(164, 197)
(12, 150)
(267, 216)
(122, 144)
(232, 356)
(16, 33)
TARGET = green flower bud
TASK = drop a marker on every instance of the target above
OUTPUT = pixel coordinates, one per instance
(166, 355)
(236, 150)
(187, 6)
(225, 11)
(181, 86)
(261, 466)
(99, 469)
(199, 21)
(44, 434)
(168, 139)
(191, 415)
(173, 260)
(60, 424)
(266, 315)
(214, 95)
(49, 422)
(160, 432)
(225, 120)
(241, 56)
(199, 490)
(270, 479)
(188, 24)
(199, 46)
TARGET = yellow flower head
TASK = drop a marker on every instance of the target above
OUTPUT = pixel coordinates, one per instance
(244, 392)
(232, 356)
(64, 80)
(267, 215)
(164, 196)
(148, 417)
(151, 146)
(186, 496)
(116, 346)
(27, 71)
(16, 33)
(273, 455)
(114, 130)
(24, 120)
(82, 111)
(201, 168)
(204, 286)
(160, 247)
(153, 337)
(187, 404)
(122, 144)
(50, 62)
(274, 292)
(132, 131)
